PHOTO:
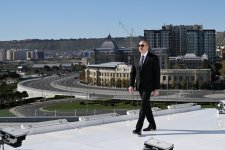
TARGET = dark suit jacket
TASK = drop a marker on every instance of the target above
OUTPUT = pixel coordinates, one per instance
(148, 76)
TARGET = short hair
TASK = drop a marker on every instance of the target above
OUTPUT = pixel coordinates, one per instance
(144, 40)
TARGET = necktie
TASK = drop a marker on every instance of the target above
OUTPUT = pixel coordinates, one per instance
(142, 61)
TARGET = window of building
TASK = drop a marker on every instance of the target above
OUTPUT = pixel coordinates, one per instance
(180, 78)
(200, 78)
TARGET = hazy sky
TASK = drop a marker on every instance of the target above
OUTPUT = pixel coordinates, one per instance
(55, 19)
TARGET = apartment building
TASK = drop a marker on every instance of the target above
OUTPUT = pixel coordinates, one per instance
(2, 55)
(182, 39)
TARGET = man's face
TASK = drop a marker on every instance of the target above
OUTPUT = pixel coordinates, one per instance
(143, 47)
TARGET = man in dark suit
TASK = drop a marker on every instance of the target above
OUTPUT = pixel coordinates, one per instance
(146, 72)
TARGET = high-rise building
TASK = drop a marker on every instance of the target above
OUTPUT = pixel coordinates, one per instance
(16, 54)
(10, 54)
(157, 38)
(193, 42)
(209, 42)
(202, 42)
(2, 55)
(182, 39)
(178, 36)
(34, 55)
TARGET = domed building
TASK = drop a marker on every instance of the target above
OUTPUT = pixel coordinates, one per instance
(189, 61)
(110, 52)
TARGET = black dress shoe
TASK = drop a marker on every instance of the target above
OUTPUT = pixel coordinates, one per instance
(149, 129)
(137, 132)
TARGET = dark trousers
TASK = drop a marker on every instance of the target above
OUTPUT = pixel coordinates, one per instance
(145, 110)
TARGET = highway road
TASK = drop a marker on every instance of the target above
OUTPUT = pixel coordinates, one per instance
(69, 84)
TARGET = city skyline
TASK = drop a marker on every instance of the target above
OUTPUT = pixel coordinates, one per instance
(41, 19)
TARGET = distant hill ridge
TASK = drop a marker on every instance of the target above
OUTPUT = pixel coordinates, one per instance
(63, 44)
(78, 44)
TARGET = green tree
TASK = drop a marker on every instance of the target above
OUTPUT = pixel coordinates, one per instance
(125, 83)
(79, 67)
(222, 69)
(24, 94)
(13, 75)
(119, 83)
(47, 68)
(18, 95)
(10, 97)
(2, 98)
(55, 68)
(174, 84)
(215, 68)
(183, 84)
(112, 82)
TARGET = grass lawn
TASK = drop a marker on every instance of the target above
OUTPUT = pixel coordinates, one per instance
(98, 105)
(6, 113)
(209, 106)
(110, 105)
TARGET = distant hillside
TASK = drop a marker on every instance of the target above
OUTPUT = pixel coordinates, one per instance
(63, 44)
(220, 38)
(78, 44)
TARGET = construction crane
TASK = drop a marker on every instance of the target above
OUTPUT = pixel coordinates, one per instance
(131, 44)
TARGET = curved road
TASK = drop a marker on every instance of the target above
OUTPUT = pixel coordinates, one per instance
(69, 84)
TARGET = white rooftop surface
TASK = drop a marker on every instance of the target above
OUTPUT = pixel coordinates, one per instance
(195, 130)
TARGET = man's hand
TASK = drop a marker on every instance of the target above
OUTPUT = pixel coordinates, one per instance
(155, 92)
(131, 89)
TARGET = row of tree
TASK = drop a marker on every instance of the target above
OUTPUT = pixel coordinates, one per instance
(9, 74)
(119, 83)
(58, 69)
(8, 93)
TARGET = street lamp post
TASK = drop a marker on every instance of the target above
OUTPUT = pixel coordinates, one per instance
(177, 84)
(167, 86)
(42, 86)
(187, 81)
(87, 101)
